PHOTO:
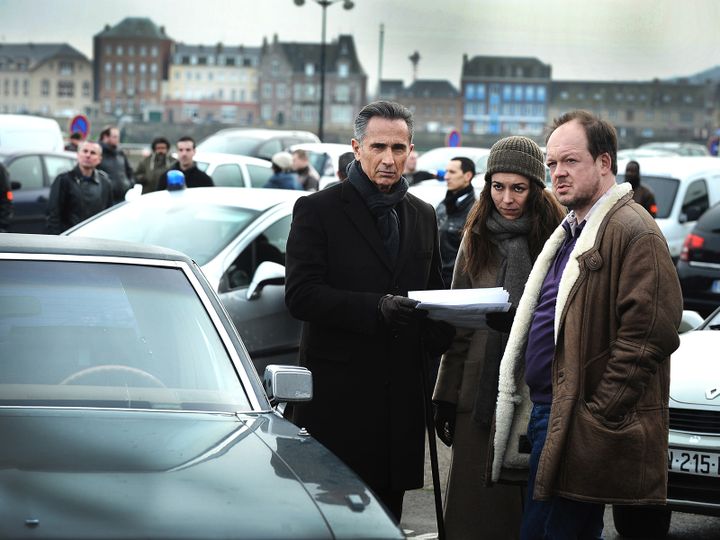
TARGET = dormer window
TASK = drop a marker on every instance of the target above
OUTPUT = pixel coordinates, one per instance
(309, 69)
(343, 69)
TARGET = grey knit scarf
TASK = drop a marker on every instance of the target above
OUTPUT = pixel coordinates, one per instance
(382, 206)
(509, 236)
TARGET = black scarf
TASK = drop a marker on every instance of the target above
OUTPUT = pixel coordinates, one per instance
(451, 198)
(381, 206)
(509, 236)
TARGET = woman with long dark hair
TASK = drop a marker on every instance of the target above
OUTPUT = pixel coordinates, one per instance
(503, 235)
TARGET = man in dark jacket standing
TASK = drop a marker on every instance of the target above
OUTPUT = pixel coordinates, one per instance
(80, 193)
(453, 211)
(150, 169)
(354, 251)
(642, 194)
(115, 163)
(194, 177)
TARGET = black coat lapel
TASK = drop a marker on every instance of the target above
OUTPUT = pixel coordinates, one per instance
(408, 215)
(362, 219)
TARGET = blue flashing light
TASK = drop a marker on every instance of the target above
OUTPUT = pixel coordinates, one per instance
(175, 180)
(440, 175)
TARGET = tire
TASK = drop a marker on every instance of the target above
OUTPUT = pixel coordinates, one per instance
(642, 521)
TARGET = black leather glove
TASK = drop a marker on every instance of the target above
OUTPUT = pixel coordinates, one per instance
(444, 413)
(501, 321)
(437, 335)
(396, 311)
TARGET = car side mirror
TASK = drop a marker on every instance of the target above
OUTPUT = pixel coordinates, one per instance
(15, 185)
(287, 384)
(690, 320)
(267, 273)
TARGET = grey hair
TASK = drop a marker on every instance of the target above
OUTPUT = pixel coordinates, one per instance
(383, 109)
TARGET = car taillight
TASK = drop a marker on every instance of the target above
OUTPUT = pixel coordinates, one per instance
(692, 241)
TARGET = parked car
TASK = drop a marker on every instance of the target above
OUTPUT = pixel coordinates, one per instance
(694, 440)
(129, 408)
(238, 237)
(260, 143)
(699, 264)
(635, 153)
(31, 175)
(436, 160)
(684, 188)
(324, 158)
(24, 131)
(678, 148)
(232, 170)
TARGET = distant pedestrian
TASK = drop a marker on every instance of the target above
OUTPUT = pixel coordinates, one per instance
(503, 235)
(115, 163)
(75, 139)
(150, 169)
(411, 174)
(307, 175)
(283, 177)
(194, 177)
(642, 194)
(344, 162)
(587, 359)
(452, 212)
(80, 193)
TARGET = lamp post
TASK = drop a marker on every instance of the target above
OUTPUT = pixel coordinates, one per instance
(347, 4)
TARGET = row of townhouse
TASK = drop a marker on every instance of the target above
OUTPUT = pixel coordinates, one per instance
(138, 70)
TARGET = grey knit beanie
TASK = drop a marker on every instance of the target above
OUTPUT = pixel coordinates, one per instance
(518, 155)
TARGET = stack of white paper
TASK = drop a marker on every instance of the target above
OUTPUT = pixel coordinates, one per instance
(462, 307)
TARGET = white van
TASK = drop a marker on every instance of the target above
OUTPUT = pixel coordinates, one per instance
(26, 132)
(684, 188)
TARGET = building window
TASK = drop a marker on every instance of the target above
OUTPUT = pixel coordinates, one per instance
(131, 68)
(342, 93)
(687, 117)
(108, 49)
(131, 50)
(16, 87)
(281, 90)
(143, 50)
(267, 90)
(119, 85)
(230, 61)
(153, 85)
(309, 69)
(275, 67)
(540, 94)
(518, 92)
(108, 83)
(153, 68)
(687, 99)
(343, 70)
(341, 114)
(118, 68)
(193, 60)
(86, 88)
(26, 87)
(107, 106)
(119, 50)
(507, 92)
(154, 51)
(530, 93)
(45, 87)
(108, 67)
(66, 89)
(141, 85)
(65, 67)
(266, 112)
(309, 114)
(143, 67)
(309, 91)
(202, 61)
(469, 91)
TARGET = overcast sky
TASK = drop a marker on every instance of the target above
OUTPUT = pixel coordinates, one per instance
(581, 39)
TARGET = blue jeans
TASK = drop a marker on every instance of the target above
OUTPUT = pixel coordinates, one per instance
(557, 518)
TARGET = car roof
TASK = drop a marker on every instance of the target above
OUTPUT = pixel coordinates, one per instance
(6, 154)
(674, 166)
(330, 148)
(75, 245)
(222, 157)
(259, 132)
(259, 199)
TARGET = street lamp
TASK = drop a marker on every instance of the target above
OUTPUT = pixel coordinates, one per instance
(347, 4)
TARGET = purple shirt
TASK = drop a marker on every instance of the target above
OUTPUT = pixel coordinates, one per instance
(541, 339)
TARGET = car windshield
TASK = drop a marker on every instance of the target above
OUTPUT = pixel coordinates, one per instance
(86, 334)
(199, 230)
(664, 189)
(230, 144)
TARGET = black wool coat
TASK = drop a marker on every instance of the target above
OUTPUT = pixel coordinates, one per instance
(367, 406)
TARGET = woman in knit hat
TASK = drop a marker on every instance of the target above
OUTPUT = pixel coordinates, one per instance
(503, 235)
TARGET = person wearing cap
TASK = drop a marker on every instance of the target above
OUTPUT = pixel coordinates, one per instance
(584, 380)
(283, 177)
(501, 239)
(194, 177)
(453, 211)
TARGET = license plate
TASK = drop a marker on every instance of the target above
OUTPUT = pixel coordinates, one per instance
(716, 286)
(689, 462)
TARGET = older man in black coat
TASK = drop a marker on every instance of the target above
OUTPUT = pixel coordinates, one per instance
(354, 251)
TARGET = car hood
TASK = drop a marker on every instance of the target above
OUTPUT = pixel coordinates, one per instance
(73, 473)
(695, 371)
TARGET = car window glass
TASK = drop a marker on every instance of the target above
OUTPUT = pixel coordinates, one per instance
(28, 171)
(664, 189)
(696, 196)
(110, 335)
(228, 175)
(269, 148)
(56, 165)
(269, 245)
(202, 165)
(259, 175)
(199, 230)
